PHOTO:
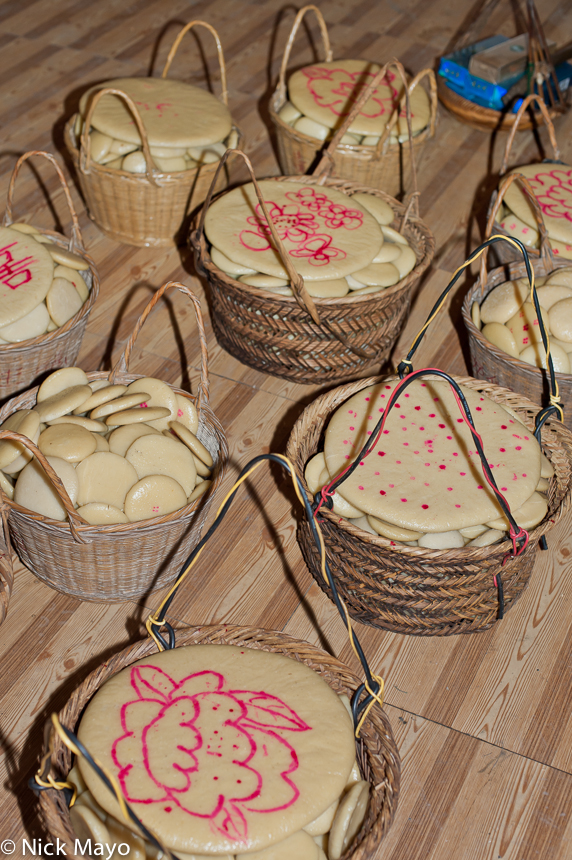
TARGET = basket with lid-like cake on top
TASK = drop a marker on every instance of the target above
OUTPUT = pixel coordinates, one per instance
(311, 106)
(146, 150)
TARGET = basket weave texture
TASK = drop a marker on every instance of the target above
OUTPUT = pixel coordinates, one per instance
(376, 751)
(148, 209)
(6, 585)
(420, 591)
(275, 335)
(22, 364)
(388, 168)
(115, 563)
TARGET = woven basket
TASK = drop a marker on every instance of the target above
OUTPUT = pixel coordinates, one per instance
(115, 563)
(301, 340)
(507, 253)
(149, 209)
(420, 591)
(387, 166)
(483, 118)
(376, 750)
(6, 585)
(22, 364)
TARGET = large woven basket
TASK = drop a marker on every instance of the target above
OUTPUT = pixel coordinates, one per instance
(420, 591)
(149, 209)
(115, 563)
(301, 340)
(505, 252)
(387, 166)
(376, 750)
(23, 364)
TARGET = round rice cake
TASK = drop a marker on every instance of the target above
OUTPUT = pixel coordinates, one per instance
(219, 748)
(516, 227)
(174, 113)
(26, 273)
(424, 473)
(34, 489)
(161, 395)
(159, 455)
(106, 478)
(327, 234)
(63, 301)
(326, 92)
(154, 496)
(552, 187)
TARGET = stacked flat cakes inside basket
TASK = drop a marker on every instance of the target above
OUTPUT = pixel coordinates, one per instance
(315, 102)
(48, 285)
(146, 149)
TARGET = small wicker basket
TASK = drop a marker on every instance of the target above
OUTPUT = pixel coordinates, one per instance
(376, 750)
(387, 166)
(507, 253)
(114, 563)
(149, 209)
(419, 591)
(296, 338)
(22, 364)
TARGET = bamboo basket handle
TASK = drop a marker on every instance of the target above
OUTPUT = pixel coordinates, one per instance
(85, 143)
(122, 364)
(433, 97)
(76, 240)
(288, 49)
(74, 518)
(301, 294)
(326, 163)
(545, 249)
(533, 97)
(222, 65)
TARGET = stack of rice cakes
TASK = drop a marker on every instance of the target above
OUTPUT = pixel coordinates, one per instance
(423, 483)
(321, 95)
(186, 126)
(552, 187)
(41, 285)
(222, 751)
(124, 453)
(508, 319)
(340, 245)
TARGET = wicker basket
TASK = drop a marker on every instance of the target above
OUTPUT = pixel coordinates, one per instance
(387, 166)
(483, 118)
(149, 209)
(305, 341)
(505, 252)
(115, 563)
(6, 584)
(376, 750)
(420, 591)
(22, 364)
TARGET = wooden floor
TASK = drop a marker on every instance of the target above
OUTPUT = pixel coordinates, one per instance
(483, 722)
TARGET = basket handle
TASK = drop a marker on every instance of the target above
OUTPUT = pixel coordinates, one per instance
(546, 254)
(122, 364)
(326, 163)
(222, 65)
(73, 517)
(76, 240)
(433, 96)
(288, 49)
(85, 143)
(533, 97)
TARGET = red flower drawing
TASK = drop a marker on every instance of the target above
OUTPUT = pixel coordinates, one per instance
(174, 732)
(338, 89)
(553, 189)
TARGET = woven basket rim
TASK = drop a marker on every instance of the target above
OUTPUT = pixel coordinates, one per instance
(357, 150)
(473, 331)
(377, 723)
(51, 336)
(138, 178)
(152, 524)
(348, 301)
(467, 554)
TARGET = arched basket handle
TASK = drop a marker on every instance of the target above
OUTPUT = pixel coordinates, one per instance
(76, 240)
(85, 150)
(546, 254)
(433, 95)
(222, 65)
(74, 519)
(533, 97)
(122, 364)
(288, 49)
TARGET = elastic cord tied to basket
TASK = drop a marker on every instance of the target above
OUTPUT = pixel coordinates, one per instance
(518, 536)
